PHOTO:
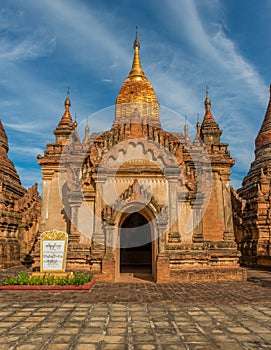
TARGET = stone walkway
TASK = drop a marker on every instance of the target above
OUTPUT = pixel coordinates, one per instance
(207, 316)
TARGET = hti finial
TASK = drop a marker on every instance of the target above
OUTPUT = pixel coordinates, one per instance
(207, 103)
(136, 42)
(75, 121)
(207, 99)
(186, 129)
(87, 127)
(67, 102)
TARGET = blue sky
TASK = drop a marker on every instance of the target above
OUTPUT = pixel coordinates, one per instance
(46, 46)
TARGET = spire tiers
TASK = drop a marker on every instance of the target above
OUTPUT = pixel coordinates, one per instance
(66, 120)
(136, 93)
(210, 132)
(207, 103)
(66, 125)
(264, 136)
(67, 104)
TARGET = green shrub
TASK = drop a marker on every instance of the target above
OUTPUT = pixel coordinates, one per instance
(23, 278)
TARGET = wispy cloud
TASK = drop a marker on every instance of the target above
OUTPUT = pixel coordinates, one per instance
(25, 151)
(22, 50)
(26, 127)
(237, 88)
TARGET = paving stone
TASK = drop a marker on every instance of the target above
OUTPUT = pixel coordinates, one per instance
(36, 339)
(146, 347)
(9, 338)
(115, 331)
(206, 346)
(58, 347)
(110, 346)
(231, 346)
(176, 347)
(86, 347)
(167, 339)
(63, 338)
(27, 347)
(141, 330)
(201, 316)
(114, 339)
(45, 330)
(144, 338)
(67, 331)
(90, 338)
(239, 330)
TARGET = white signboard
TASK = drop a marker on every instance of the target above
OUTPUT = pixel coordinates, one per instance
(53, 251)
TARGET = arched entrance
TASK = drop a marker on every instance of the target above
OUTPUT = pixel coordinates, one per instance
(135, 245)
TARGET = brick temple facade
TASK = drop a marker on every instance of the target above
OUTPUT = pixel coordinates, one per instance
(19, 211)
(252, 202)
(138, 199)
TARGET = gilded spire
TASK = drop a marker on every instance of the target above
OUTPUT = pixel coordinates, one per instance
(136, 89)
(75, 121)
(67, 102)
(136, 70)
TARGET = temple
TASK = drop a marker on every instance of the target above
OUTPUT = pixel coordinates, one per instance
(252, 202)
(139, 199)
(19, 212)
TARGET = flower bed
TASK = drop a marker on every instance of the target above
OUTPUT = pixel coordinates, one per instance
(25, 281)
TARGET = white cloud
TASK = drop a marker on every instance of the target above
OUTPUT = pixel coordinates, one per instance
(22, 50)
(25, 151)
(25, 127)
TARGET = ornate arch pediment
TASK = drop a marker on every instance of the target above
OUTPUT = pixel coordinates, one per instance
(135, 194)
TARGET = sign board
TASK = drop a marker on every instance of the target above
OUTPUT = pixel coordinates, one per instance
(53, 251)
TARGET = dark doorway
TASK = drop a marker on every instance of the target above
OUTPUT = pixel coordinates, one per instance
(135, 245)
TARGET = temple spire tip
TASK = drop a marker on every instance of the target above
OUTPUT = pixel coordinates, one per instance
(136, 70)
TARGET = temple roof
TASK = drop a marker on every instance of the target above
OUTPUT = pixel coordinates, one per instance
(66, 120)
(66, 124)
(210, 132)
(207, 103)
(7, 168)
(264, 135)
(136, 87)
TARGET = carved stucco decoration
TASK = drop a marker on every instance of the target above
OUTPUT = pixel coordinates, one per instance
(135, 193)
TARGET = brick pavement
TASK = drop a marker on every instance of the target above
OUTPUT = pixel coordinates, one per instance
(205, 316)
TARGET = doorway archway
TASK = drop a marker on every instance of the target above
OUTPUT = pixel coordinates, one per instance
(135, 245)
